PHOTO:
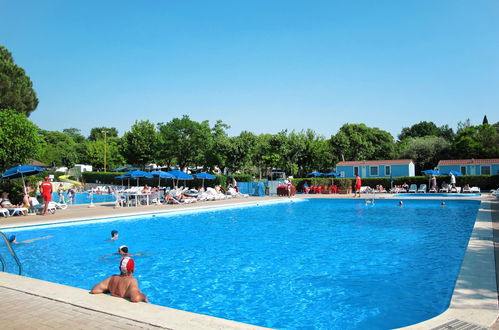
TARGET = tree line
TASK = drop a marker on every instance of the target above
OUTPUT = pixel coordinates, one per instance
(184, 143)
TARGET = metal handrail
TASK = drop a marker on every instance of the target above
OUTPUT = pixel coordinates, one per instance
(14, 255)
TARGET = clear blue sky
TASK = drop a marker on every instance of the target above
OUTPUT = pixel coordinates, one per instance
(261, 66)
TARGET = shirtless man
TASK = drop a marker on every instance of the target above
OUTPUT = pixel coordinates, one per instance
(123, 285)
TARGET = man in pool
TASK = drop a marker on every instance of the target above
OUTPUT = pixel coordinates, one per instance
(13, 239)
(123, 285)
(114, 235)
(122, 251)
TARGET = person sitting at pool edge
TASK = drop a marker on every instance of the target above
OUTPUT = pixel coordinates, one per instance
(123, 285)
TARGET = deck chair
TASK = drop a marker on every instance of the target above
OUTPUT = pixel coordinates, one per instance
(17, 211)
(475, 189)
(413, 188)
(4, 212)
(422, 188)
(38, 207)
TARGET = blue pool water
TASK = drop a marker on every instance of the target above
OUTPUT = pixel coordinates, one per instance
(313, 264)
(84, 198)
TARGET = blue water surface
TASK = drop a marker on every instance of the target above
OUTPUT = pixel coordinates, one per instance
(313, 264)
(84, 198)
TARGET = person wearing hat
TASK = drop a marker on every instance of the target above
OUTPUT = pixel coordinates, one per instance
(46, 189)
(114, 235)
(123, 285)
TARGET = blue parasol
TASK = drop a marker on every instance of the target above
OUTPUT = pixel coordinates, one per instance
(205, 176)
(431, 172)
(456, 173)
(161, 175)
(315, 174)
(21, 171)
(179, 175)
(137, 175)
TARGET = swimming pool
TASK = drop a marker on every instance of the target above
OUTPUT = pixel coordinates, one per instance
(325, 264)
(84, 198)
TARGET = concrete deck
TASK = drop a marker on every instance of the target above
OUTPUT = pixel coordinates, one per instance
(29, 303)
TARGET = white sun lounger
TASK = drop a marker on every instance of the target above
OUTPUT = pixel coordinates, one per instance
(4, 212)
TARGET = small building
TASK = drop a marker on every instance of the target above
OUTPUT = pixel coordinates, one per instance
(376, 168)
(83, 168)
(470, 166)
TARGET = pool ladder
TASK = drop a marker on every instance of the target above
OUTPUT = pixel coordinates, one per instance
(14, 255)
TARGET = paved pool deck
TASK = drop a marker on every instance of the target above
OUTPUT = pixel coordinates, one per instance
(34, 304)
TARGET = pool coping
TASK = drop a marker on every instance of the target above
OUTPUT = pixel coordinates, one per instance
(474, 299)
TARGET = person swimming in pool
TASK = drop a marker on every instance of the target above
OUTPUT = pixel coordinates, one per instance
(401, 203)
(114, 235)
(123, 252)
(13, 239)
(123, 285)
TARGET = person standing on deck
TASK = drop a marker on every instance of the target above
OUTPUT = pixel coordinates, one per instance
(358, 184)
(46, 189)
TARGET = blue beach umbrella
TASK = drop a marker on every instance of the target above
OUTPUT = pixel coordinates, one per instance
(431, 172)
(205, 176)
(179, 175)
(137, 175)
(21, 171)
(315, 174)
(456, 173)
(332, 174)
(161, 175)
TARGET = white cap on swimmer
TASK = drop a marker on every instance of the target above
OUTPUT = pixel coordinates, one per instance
(127, 265)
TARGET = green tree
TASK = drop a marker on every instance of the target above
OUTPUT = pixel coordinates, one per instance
(239, 151)
(97, 133)
(20, 139)
(426, 128)
(59, 149)
(477, 142)
(75, 134)
(485, 120)
(426, 151)
(16, 88)
(95, 154)
(217, 147)
(184, 139)
(140, 144)
(359, 142)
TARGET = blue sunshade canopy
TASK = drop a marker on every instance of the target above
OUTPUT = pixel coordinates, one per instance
(204, 175)
(332, 174)
(179, 175)
(456, 173)
(162, 175)
(314, 174)
(137, 175)
(431, 172)
(22, 171)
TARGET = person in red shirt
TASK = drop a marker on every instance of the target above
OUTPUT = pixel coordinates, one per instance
(46, 189)
(358, 184)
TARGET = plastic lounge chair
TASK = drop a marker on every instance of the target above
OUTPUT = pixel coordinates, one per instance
(38, 207)
(18, 211)
(4, 212)
(444, 190)
(422, 188)
(475, 190)
(413, 188)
